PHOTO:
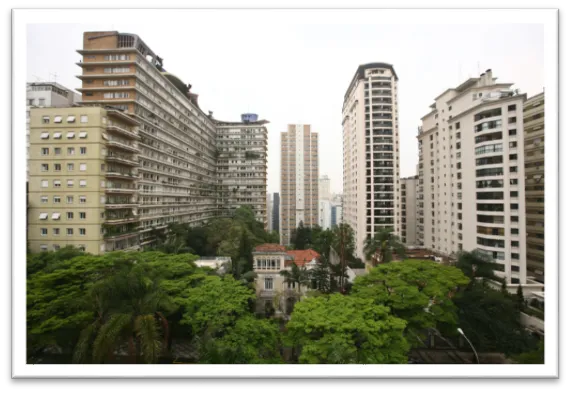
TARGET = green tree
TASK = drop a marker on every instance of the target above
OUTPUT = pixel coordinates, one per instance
(419, 292)
(385, 244)
(344, 329)
(296, 275)
(491, 320)
(535, 356)
(321, 275)
(475, 264)
(301, 237)
(322, 241)
(129, 307)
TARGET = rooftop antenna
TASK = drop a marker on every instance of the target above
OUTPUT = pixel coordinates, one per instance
(54, 77)
(38, 79)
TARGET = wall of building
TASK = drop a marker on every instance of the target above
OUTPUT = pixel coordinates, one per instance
(408, 198)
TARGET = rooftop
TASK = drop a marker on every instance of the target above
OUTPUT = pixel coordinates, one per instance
(301, 257)
(270, 247)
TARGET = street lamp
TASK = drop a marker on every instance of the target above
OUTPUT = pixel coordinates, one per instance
(472, 347)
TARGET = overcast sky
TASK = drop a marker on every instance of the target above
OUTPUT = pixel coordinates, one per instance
(298, 73)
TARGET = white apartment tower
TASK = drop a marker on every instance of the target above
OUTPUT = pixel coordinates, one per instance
(471, 174)
(371, 168)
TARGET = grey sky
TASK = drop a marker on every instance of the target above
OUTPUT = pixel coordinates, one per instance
(290, 73)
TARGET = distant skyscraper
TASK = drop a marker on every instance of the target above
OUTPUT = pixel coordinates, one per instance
(324, 188)
(299, 179)
(371, 152)
(269, 213)
(275, 212)
(325, 202)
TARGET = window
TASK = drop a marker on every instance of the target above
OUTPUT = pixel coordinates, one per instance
(82, 199)
(71, 119)
(83, 167)
(268, 283)
(45, 167)
(45, 151)
(56, 199)
(30, 101)
(70, 199)
(514, 243)
(71, 151)
(512, 145)
(57, 183)
(514, 206)
(69, 231)
(83, 134)
(82, 215)
(70, 215)
(57, 119)
(45, 120)
(70, 167)
(81, 231)
(43, 231)
(513, 157)
(514, 231)
(82, 183)
(512, 120)
(44, 199)
(82, 151)
(84, 118)
(56, 246)
(70, 183)
(512, 108)
(57, 135)
(44, 135)
(57, 151)
(43, 216)
(514, 194)
(56, 231)
(55, 216)
(70, 135)
(45, 183)
(43, 247)
(512, 132)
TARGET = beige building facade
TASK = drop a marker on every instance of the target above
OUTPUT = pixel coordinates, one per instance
(408, 198)
(371, 153)
(82, 193)
(299, 179)
(534, 184)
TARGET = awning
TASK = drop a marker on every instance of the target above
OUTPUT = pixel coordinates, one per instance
(82, 182)
(70, 135)
(70, 119)
(104, 136)
(57, 135)
(83, 134)
(45, 135)
(43, 216)
(55, 216)
(57, 119)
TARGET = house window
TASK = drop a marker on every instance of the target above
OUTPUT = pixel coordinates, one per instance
(70, 183)
(57, 151)
(71, 119)
(70, 215)
(70, 167)
(84, 118)
(55, 216)
(57, 135)
(45, 151)
(45, 120)
(82, 151)
(56, 199)
(69, 231)
(56, 231)
(71, 151)
(83, 134)
(57, 119)
(291, 285)
(45, 183)
(57, 183)
(44, 199)
(70, 135)
(44, 135)
(82, 199)
(82, 215)
(81, 231)
(31, 101)
(82, 183)
(45, 167)
(82, 167)
(268, 283)
(43, 231)
(70, 199)
(56, 247)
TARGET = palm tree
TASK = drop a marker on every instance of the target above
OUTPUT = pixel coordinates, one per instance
(384, 243)
(129, 308)
(297, 275)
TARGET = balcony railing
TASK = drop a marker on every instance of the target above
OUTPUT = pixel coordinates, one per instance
(123, 145)
(116, 128)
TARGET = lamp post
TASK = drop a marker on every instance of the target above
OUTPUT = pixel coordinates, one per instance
(472, 347)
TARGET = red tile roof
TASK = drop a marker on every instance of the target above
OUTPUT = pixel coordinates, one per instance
(270, 247)
(301, 257)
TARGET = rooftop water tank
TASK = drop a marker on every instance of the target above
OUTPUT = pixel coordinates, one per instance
(248, 117)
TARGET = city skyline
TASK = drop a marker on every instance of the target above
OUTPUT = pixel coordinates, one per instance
(324, 72)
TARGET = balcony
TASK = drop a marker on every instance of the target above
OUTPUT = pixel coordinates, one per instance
(115, 128)
(120, 189)
(121, 220)
(123, 145)
(120, 203)
(121, 158)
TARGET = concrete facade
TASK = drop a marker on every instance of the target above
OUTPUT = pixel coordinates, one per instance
(276, 211)
(471, 174)
(299, 179)
(408, 198)
(371, 158)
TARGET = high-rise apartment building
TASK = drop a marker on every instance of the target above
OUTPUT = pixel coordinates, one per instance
(371, 168)
(192, 167)
(269, 213)
(471, 174)
(242, 165)
(533, 118)
(276, 211)
(325, 202)
(408, 199)
(324, 188)
(82, 187)
(299, 179)
(42, 95)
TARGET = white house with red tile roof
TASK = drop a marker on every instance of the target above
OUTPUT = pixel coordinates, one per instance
(271, 289)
